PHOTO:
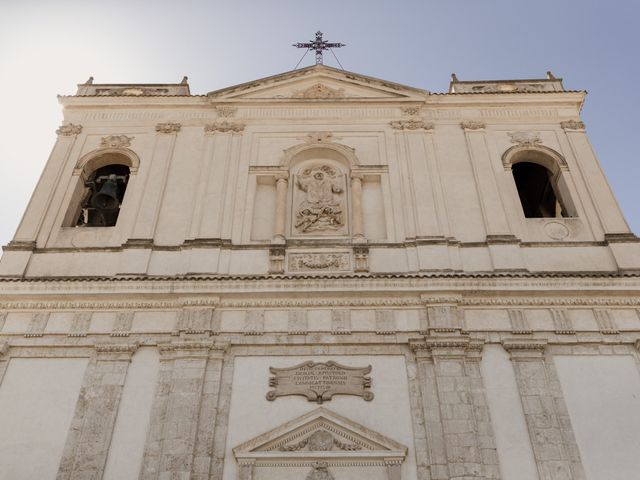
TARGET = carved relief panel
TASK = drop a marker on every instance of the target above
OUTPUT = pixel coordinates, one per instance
(319, 201)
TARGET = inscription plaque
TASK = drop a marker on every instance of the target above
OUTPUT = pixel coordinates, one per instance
(319, 381)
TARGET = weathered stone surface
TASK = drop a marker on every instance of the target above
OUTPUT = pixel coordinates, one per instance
(321, 214)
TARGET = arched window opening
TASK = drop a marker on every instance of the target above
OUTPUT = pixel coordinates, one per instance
(538, 191)
(105, 189)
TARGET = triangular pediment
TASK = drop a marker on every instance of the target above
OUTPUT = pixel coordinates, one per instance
(320, 433)
(318, 83)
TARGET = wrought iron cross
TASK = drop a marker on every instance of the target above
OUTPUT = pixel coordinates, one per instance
(319, 45)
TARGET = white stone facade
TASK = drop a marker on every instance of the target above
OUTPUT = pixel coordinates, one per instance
(321, 217)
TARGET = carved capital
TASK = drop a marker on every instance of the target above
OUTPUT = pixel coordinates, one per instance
(224, 127)
(448, 346)
(419, 348)
(115, 351)
(282, 177)
(357, 176)
(411, 125)
(190, 349)
(168, 127)
(115, 141)
(525, 348)
(69, 130)
(4, 349)
(576, 125)
(472, 125)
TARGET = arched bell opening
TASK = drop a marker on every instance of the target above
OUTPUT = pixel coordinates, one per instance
(538, 176)
(538, 197)
(105, 189)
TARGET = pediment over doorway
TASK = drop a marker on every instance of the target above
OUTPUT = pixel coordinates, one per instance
(320, 441)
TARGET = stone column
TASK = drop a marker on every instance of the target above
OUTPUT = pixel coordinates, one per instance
(179, 439)
(282, 186)
(357, 228)
(554, 445)
(87, 445)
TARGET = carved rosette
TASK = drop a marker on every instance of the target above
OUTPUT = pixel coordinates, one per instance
(472, 125)
(572, 125)
(69, 130)
(224, 127)
(411, 125)
(168, 127)
(116, 141)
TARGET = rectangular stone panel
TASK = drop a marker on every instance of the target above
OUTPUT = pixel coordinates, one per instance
(37, 400)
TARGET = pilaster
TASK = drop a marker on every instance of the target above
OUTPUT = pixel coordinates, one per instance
(426, 379)
(604, 202)
(4, 359)
(87, 445)
(41, 201)
(495, 218)
(156, 179)
(554, 445)
(179, 440)
(466, 424)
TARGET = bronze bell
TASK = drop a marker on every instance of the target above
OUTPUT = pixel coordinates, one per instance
(107, 198)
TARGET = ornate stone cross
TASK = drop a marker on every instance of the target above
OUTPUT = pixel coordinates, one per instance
(319, 45)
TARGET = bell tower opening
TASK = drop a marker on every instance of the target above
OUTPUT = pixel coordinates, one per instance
(105, 189)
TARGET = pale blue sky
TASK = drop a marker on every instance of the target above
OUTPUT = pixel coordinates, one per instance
(47, 47)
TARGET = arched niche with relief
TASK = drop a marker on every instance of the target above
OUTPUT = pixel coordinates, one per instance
(320, 202)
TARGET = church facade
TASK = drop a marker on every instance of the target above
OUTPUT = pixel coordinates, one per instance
(321, 275)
